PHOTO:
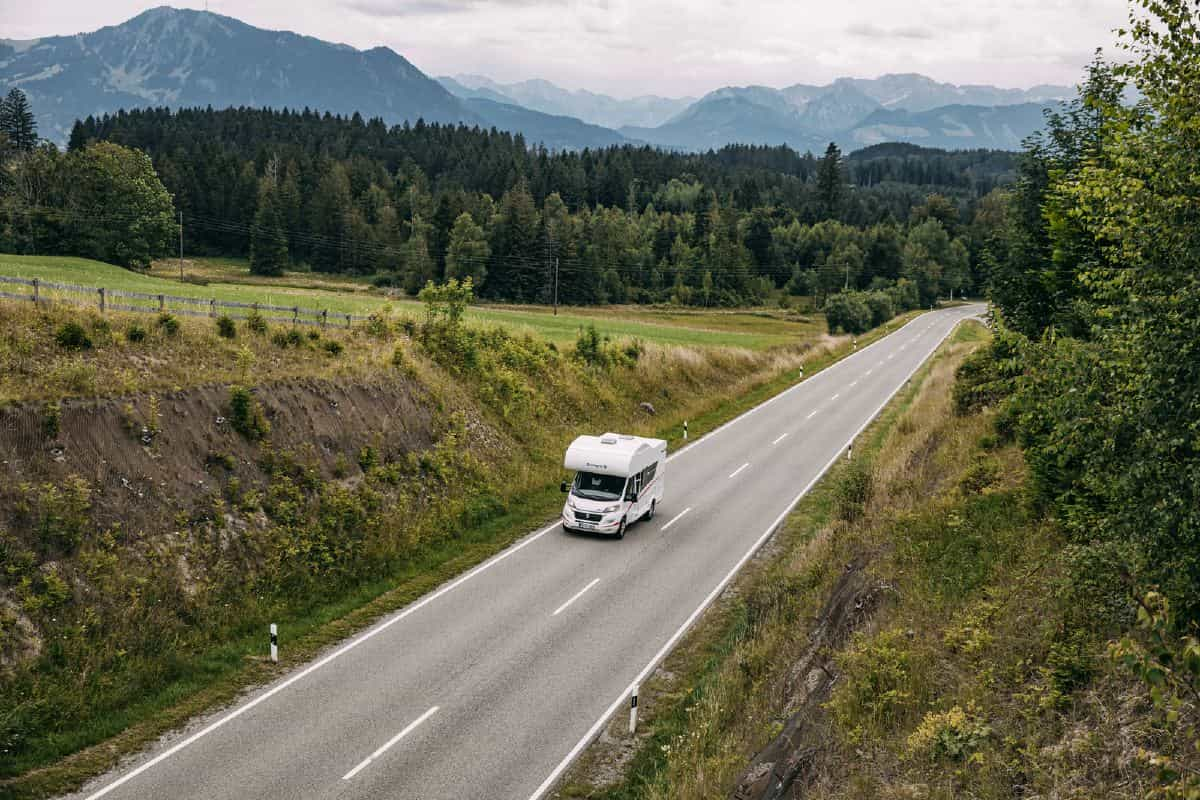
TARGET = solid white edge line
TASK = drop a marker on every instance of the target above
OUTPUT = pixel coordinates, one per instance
(780, 439)
(734, 474)
(675, 518)
(388, 744)
(594, 731)
(496, 559)
(574, 597)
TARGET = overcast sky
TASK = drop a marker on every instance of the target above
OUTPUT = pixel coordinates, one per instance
(671, 47)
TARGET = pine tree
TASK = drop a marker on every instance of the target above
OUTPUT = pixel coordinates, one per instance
(17, 122)
(268, 241)
(468, 252)
(830, 182)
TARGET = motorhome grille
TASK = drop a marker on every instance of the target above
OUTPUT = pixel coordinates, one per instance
(583, 516)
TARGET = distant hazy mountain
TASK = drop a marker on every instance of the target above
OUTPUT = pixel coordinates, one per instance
(950, 127)
(554, 131)
(857, 112)
(599, 109)
(178, 58)
(466, 92)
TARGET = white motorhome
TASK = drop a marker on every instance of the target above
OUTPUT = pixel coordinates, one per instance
(618, 480)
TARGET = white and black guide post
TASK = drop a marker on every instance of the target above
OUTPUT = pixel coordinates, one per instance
(274, 643)
(633, 710)
(685, 430)
(849, 450)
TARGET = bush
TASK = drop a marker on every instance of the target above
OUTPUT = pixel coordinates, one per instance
(52, 422)
(590, 349)
(246, 415)
(881, 306)
(953, 735)
(225, 327)
(847, 311)
(135, 333)
(289, 338)
(72, 336)
(256, 323)
(332, 347)
(853, 490)
(168, 323)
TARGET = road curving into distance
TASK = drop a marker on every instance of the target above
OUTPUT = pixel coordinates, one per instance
(491, 685)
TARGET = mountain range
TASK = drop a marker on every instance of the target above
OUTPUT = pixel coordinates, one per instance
(180, 57)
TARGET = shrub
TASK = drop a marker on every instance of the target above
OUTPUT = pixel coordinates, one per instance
(289, 338)
(402, 362)
(52, 422)
(332, 346)
(368, 457)
(135, 333)
(847, 311)
(72, 336)
(953, 735)
(881, 306)
(853, 490)
(589, 347)
(246, 415)
(168, 323)
(876, 686)
(256, 323)
(225, 327)
(313, 335)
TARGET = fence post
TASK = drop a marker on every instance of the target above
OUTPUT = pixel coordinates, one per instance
(162, 303)
(100, 291)
(347, 322)
(37, 285)
(295, 315)
(324, 317)
(212, 307)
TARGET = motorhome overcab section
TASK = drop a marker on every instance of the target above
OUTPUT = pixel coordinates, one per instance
(618, 480)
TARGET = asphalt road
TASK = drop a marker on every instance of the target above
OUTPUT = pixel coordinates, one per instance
(489, 687)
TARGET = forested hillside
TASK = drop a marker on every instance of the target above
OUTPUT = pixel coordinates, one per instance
(428, 202)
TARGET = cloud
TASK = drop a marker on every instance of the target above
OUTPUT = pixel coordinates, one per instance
(395, 9)
(868, 31)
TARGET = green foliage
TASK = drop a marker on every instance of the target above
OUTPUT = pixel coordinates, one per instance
(1166, 659)
(52, 420)
(590, 348)
(56, 513)
(246, 415)
(226, 328)
(878, 688)
(17, 123)
(290, 337)
(333, 347)
(256, 323)
(72, 336)
(953, 735)
(135, 333)
(446, 303)
(168, 323)
(268, 241)
(852, 490)
(848, 312)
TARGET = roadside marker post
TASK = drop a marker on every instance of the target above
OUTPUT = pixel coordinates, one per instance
(849, 450)
(274, 644)
(685, 430)
(633, 710)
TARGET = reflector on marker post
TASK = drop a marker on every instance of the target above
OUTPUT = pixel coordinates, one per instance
(633, 710)
(274, 643)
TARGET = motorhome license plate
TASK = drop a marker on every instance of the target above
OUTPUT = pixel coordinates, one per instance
(587, 525)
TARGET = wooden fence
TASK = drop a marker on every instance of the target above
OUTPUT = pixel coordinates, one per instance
(109, 300)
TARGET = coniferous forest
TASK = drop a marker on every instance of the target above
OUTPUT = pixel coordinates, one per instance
(409, 204)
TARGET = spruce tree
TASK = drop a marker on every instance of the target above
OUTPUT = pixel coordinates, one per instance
(268, 240)
(830, 182)
(17, 122)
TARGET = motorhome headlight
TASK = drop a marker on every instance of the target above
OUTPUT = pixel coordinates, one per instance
(611, 509)
(570, 501)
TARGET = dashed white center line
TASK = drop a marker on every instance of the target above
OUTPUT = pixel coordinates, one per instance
(868, 372)
(852, 384)
(411, 727)
(734, 474)
(574, 597)
(813, 414)
(780, 439)
(675, 518)
(835, 397)
(890, 357)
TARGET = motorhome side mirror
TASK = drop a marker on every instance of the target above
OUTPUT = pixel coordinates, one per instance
(562, 487)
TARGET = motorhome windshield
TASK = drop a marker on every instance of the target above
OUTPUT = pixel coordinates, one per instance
(592, 486)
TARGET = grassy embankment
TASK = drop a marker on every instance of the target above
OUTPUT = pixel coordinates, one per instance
(753, 329)
(153, 625)
(915, 635)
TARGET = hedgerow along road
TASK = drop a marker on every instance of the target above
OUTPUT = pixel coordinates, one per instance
(490, 686)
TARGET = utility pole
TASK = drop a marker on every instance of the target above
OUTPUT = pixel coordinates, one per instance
(556, 286)
(181, 245)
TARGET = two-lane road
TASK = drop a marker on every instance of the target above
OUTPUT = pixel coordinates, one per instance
(490, 686)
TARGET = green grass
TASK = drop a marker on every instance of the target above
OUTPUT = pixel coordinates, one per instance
(230, 281)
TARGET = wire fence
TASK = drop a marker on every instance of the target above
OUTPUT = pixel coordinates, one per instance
(41, 291)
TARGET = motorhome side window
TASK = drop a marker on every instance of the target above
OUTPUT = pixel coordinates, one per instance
(648, 474)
